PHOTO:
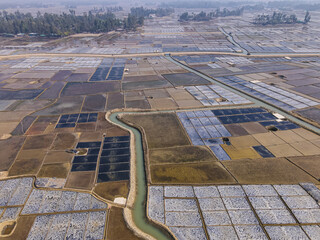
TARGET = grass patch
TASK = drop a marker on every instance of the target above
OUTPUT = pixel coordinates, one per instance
(180, 155)
(112, 190)
(196, 173)
(162, 130)
(117, 228)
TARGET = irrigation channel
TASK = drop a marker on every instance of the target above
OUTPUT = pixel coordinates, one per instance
(230, 39)
(139, 209)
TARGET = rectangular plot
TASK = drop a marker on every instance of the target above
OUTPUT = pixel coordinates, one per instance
(194, 136)
(100, 74)
(32, 205)
(94, 103)
(219, 152)
(180, 205)
(20, 94)
(96, 225)
(183, 219)
(214, 133)
(114, 159)
(116, 73)
(77, 226)
(50, 201)
(7, 190)
(58, 226)
(86, 159)
(116, 145)
(53, 92)
(83, 167)
(223, 131)
(21, 193)
(116, 152)
(205, 121)
(40, 227)
(195, 122)
(83, 201)
(114, 176)
(67, 201)
(88, 145)
(88, 88)
(117, 139)
(209, 142)
(114, 167)
(203, 132)
(263, 152)
(156, 203)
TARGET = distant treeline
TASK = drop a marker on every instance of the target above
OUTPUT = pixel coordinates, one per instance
(107, 9)
(248, 5)
(280, 18)
(202, 16)
(64, 24)
(201, 4)
(145, 12)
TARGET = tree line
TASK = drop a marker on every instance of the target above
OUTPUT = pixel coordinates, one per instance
(64, 24)
(203, 16)
(145, 12)
(280, 18)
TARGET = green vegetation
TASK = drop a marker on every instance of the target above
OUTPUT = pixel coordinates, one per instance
(64, 24)
(162, 130)
(202, 16)
(280, 18)
(180, 154)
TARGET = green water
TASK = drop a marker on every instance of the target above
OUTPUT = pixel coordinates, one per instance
(139, 210)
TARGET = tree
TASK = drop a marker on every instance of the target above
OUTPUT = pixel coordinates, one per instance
(184, 16)
(307, 18)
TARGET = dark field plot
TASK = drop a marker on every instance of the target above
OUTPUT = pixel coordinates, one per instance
(87, 88)
(117, 228)
(94, 103)
(162, 130)
(9, 149)
(64, 141)
(23, 125)
(181, 79)
(142, 104)
(37, 142)
(59, 170)
(311, 164)
(116, 73)
(80, 180)
(145, 85)
(53, 92)
(63, 105)
(195, 173)
(61, 75)
(78, 77)
(267, 171)
(113, 176)
(20, 94)
(100, 74)
(115, 100)
(180, 155)
(143, 78)
(310, 113)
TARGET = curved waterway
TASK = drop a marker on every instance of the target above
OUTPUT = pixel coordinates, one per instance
(139, 210)
(230, 39)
